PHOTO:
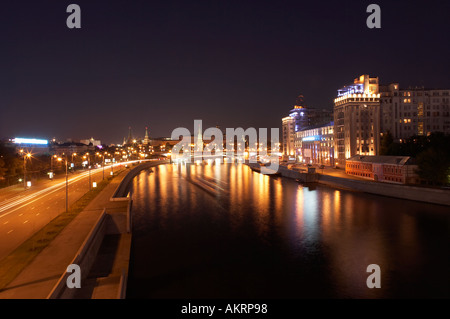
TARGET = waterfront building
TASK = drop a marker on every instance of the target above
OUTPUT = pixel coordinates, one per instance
(357, 119)
(305, 117)
(414, 111)
(301, 118)
(288, 129)
(389, 169)
(315, 145)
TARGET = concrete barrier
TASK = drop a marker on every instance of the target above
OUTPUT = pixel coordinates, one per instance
(121, 293)
(84, 258)
(123, 189)
(129, 219)
(294, 174)
(423, 194)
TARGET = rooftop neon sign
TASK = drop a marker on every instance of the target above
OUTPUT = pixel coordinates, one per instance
(311, 138)
(35, 141)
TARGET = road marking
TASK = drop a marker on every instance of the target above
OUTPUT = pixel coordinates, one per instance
(13, 205)
(32, 208)
(10, 231)
(25, 221)
(6, 222)
(48, 207)
(37, 214)
(20, 214)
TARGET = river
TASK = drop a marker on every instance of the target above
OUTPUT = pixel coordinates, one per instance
(223, 231)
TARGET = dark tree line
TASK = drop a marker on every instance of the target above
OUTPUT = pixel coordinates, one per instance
(432, 155)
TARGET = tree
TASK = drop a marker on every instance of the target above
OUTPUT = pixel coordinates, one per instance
(434, 166)
(3, 169)
(386, 144)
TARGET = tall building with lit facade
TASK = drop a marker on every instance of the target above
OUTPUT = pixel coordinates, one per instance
(357, 119)
(288, 129)
(414, 111)
(301, 118)
(146, 139)
(305, 117)
(315, 145)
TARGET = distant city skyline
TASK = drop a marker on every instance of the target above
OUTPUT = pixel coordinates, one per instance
(162, 64)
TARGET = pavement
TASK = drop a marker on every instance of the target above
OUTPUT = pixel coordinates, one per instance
(25, 212)
(37, 280)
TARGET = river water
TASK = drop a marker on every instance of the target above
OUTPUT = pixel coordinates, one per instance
(224, 231)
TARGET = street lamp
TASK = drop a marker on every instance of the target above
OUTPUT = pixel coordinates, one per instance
(73, 154)
(25, 168)
(103, 166)
(51, 162)
(89, 167)
(67, 185)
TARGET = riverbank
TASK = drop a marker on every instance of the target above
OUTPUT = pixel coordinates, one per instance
(415, 193)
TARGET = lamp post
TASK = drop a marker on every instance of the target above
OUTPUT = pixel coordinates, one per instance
(67, 185)
(51, 162)
(89, 167)
(112, 163)
(73, 154)
(25, 168)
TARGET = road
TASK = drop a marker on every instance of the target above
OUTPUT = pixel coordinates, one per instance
(24, 214)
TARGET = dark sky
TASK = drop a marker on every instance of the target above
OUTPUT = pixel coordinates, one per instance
(163, 64)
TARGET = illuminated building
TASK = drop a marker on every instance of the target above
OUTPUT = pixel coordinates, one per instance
(301, 118)
(414, 111)
(288, 137)
(357, 119)
(91, 141)
(305, 117)
(130, 139)
(146, 139)
(388, 169)
(71, 148)
(31, 145)
(315, 145)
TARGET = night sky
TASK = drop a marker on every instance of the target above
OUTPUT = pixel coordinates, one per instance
(163, 64)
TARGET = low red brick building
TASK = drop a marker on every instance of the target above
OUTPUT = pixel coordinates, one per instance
(389, 169)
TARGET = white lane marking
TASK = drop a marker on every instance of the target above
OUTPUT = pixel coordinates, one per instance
(38, 214)
(27, 199)
(20, 214)
(25, 221)
(6, 222)
(10, 231)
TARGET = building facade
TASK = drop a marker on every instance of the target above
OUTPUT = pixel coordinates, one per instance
(288, 128)
(415, 111)
(389, 169)
(357, 119)
(316, 145)
(301, 118)
(92, 141)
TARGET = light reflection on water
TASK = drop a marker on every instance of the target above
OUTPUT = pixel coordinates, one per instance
(213, 231)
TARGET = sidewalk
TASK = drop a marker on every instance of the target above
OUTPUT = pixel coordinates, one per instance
(38, 279)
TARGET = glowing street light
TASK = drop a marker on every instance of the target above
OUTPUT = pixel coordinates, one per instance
(67, 185)
(89, 167)
(25, 156)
